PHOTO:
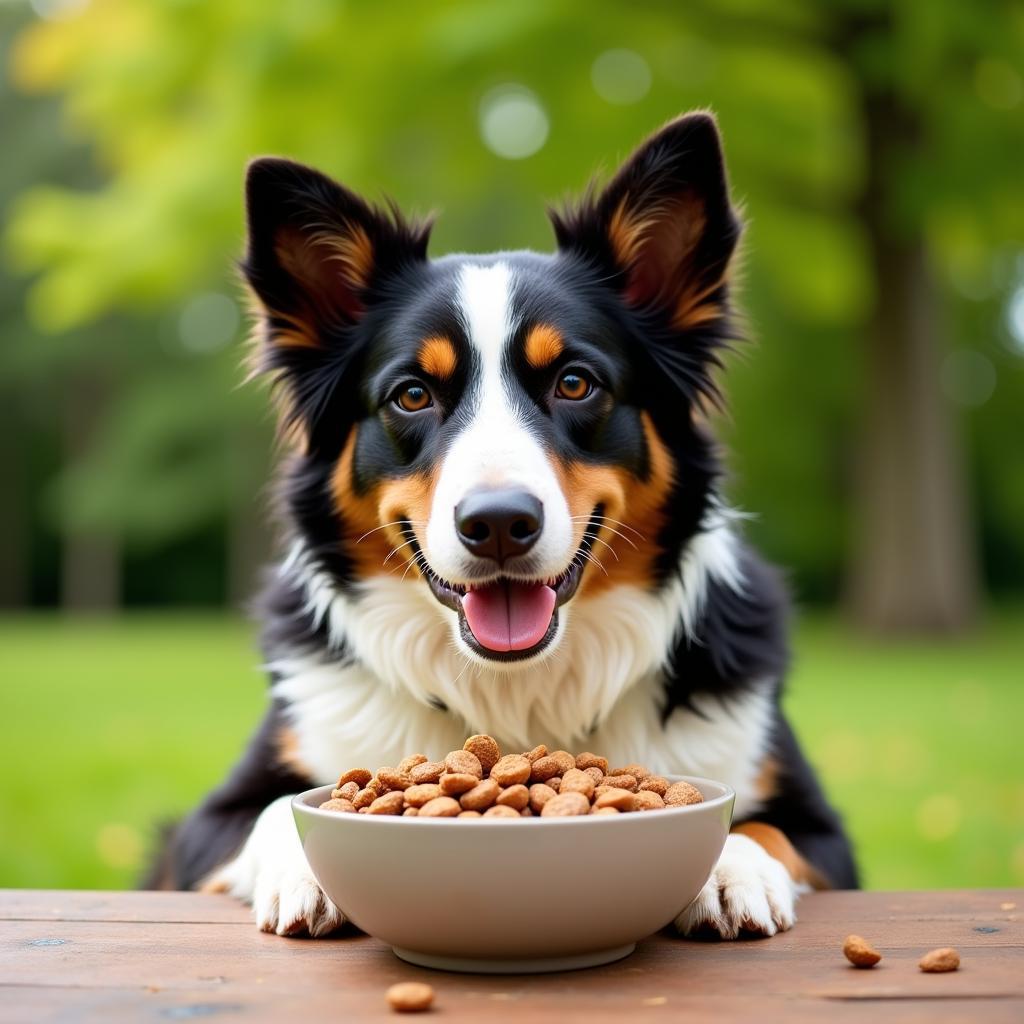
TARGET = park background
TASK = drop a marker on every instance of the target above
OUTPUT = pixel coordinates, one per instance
(874, 422)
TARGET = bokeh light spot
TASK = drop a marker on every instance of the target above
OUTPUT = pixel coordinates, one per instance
(58, 10)
(208, 322)
(998, 84)
(513, 124)
(938, 816)
(968, 377)
(1015, 318)
(621, 76)
(119, 846)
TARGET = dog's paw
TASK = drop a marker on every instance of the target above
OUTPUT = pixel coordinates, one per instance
(749, 891)
(272, 874)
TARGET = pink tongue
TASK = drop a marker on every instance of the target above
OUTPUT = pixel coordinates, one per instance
(509, 616)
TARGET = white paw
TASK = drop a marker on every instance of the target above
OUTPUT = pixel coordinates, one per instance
(749, 891)
(272, 874)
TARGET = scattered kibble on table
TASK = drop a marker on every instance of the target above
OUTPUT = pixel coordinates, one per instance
(410, 997)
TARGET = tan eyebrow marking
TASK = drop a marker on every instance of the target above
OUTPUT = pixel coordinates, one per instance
(437, 357)
(544, 345)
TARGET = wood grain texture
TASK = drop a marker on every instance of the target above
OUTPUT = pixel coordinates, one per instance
(180, 956)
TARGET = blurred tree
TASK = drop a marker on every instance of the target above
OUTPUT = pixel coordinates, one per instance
(481, 108)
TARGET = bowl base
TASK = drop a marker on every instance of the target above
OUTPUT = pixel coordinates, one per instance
(512, 965)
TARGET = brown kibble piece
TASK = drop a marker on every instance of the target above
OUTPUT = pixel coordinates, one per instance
(407, 764)
(463, 762)
(540, 794)
(364, 798)
(417, 796)
(499, 811)
(587, 760)
(364, 810)
(654, 784)
(577, 781)
(485, 749)
(679, 794)
(455, 783)
(566, 805)
(638, 771)
(411, 812)
(526, 813)
(469, 814)
(645, 800)
(346, 792)
(938, 961)
(564, 759)
(442, 807)
(511, 769)
(516, 797)
(595, 773)
(536, 753)
(481, 796)
(410, 997)
(389, 803)
(335, 804)
(605, 810)
(544, 768)
(391, 780)
(621, 782)
(427, 771)
(622, 799)
(360, 776)
(860, 952)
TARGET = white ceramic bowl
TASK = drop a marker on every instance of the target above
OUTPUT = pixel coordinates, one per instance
(503, 896)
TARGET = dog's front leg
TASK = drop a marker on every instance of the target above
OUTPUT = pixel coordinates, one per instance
(272, 874)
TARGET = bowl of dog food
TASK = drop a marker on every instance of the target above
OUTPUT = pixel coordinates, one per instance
(512, 863)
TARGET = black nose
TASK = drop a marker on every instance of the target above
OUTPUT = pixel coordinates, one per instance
(499, 524)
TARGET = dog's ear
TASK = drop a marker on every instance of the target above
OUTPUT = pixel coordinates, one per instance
(663, 228)
(316, 251)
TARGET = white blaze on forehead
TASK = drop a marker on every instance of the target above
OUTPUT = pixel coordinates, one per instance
(496, 447)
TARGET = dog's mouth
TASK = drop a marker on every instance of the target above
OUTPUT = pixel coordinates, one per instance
(509, 619)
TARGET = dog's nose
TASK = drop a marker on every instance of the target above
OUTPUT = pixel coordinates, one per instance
(499, 524)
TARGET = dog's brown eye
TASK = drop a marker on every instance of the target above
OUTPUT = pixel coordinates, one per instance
(413, 398)
(573, 386)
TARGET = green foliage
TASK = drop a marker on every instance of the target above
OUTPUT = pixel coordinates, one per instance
(172, 98)
(118, 725)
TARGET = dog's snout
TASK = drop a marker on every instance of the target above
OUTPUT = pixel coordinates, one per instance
(499, 524)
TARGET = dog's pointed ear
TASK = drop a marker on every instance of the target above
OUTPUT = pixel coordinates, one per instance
(664, 226)
(316, 251)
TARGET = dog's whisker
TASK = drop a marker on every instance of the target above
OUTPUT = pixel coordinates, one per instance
(609, 519)
(397, 522)
(615, 554)
(394, 551)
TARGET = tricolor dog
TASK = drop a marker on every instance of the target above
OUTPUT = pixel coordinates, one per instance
(502, 508)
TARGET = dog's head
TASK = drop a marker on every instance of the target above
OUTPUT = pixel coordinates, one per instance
(514, 432)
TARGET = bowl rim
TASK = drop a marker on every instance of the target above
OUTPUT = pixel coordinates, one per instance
(301, 804)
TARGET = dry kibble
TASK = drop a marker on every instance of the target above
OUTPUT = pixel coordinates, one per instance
(860, 952)
(540, 794)
(621, 799)
(537, 752)
(516, 797)
(511, 769)
(595, 773)
(407, 764)
(441, 807)
(469, 814)
(462, 762)
(347, 792)
(526, 813)
(456, 783)
(364, 810)
(364, 798)
(605, 810)
(938, 961)
(679, 794)
(481, 796)
(566, 805)
(411, 812)
(391, 779)
(410, 997)
(417, 796)
(588, 760)
(577, 781)
(638, 771)
(545, 768)
(335, 804)
(645, 800)
(427, 771)
(565, 760)
(499, 811)
(654, 784)
(360, 776)
(555, 783)
(485, 749)
(389, 803)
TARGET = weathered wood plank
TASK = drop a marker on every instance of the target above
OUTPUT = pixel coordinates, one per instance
(108, 905)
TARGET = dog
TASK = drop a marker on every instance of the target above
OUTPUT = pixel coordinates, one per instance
(503, 514)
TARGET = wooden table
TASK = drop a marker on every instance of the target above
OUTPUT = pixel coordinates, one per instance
(130, 956)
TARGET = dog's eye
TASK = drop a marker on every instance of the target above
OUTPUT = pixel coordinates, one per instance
(573, 386)
(413, 397)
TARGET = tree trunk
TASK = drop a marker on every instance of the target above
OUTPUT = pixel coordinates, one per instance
(913, 561)
(15, 536)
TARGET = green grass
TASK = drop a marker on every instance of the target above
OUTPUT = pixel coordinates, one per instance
(112, 725)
